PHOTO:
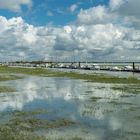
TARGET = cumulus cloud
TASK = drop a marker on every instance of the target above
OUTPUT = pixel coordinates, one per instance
(95, 15)
(115, 4)
(99, 33)
(128, 9)
(14, 5)
(19, 39)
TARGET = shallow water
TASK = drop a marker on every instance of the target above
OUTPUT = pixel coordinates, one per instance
(100, 112)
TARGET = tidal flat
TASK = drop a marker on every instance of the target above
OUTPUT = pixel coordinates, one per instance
(101, 78)
(52, 105)
(7, 89)
(23, 124)
(7, 77)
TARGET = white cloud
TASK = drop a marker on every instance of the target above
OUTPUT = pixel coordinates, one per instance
(128, 9)
(73, 7)
(19, 39)
(99, 32)
(115, 4)
(95, 15)
(14, 5)
(67, 29)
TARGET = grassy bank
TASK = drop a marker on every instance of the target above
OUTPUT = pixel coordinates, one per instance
(101, 78)
(24, 124)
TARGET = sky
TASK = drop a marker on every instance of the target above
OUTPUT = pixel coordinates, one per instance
(106, 30)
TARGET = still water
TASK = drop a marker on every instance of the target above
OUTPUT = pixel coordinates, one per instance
(100, 112)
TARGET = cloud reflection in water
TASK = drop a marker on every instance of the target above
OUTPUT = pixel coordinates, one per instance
(88, 103)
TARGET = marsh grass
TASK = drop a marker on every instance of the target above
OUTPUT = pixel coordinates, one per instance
(29, 113)
(120, 103)
(32, 124)
(95, 98)
(9, 133)
(9, 77)
(28, 120)
(134, 89)
(138, 118)
(100, 78)
(15, 70)
(7, 89)
(89, 91)
(76, 138)
(24, 124)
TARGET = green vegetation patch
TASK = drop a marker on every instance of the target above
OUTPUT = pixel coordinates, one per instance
(89, 91)
(95, 98)
(138, 118)
(27, 120)
(7, 89)
(34, 71)
(9, 77)
(28, 113)
(76, 138)
(23, 125)
(100, 78)
(32, 124)
(120, 103)
(134, 89)
(9, 133)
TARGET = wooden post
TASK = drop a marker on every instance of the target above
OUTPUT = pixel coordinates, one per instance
(133, 66)
(79, 64)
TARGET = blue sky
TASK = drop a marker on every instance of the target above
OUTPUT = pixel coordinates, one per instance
(56, 12)
(70, 29)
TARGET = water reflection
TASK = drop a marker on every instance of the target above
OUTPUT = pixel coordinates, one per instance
(100, 111)
(36, 88)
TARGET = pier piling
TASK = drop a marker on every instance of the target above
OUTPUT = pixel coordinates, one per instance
(133, 66)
